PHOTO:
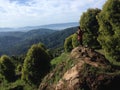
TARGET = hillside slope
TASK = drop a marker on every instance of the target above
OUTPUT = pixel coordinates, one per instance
(84, 69)
(16, 43)
(10, 41)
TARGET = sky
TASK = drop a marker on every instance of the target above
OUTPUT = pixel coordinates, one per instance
(20, 13)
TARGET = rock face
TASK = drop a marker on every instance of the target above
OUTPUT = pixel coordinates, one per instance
(89, 56)
(91, 71)
(70, 78)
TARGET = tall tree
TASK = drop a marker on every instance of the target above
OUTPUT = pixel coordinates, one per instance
(36, 65)
(109, 21)
(89, 24)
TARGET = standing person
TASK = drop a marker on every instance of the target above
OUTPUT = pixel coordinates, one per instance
(80, 34)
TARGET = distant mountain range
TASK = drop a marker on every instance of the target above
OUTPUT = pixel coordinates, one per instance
(59, 26)
(17, 43)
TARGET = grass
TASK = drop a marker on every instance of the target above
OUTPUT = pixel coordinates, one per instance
(62, 58)
(60, 63)
(59, 66)
(101, 51)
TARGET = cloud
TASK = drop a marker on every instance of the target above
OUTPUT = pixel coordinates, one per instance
(38, 12)
(99, 3)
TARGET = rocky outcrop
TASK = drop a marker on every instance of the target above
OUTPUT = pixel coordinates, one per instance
(70, 79)
(89, 56)
(91, 71)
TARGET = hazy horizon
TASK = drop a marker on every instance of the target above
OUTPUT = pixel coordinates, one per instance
(41, 25)
(22, 13)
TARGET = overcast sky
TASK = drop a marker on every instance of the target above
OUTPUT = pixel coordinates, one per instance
(19, 13)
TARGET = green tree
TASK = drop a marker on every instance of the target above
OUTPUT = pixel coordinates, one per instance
(89, 24)
(42, 46)
(68, 44)
(71, 42)
(7, 68)
(36, 65)
(109, 21)
(46, 50)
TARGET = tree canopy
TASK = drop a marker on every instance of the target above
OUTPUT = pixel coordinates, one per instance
(36, 64)
(109, 21)
(89, 25)
(7, 68)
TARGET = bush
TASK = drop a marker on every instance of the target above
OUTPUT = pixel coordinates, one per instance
(109, 21)
(36, 65)
(71, 42)
(68, 44)
(7, 68)
(75, 42)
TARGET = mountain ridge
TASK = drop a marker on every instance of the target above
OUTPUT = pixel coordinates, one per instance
(23, 41)
(57, 26)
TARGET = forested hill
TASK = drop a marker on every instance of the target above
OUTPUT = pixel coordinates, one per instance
(16, 43)
(57, 39)
(57, 26)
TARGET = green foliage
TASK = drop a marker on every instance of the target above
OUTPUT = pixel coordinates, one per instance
(19, 68)
(71, 42)
(56, 61)
(17, 85)
(75, 42)
(109, 38)
(17, 60)
(56, 52)
(42, 46)
(36, 65)
(46, 50)
(7, 68)
(68, 44)
(17, 43)
(60, 65)
(89, 25)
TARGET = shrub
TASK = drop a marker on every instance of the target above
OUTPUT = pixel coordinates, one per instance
(75, 42)
(36, 65)
(68, 44)
(7, 68)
